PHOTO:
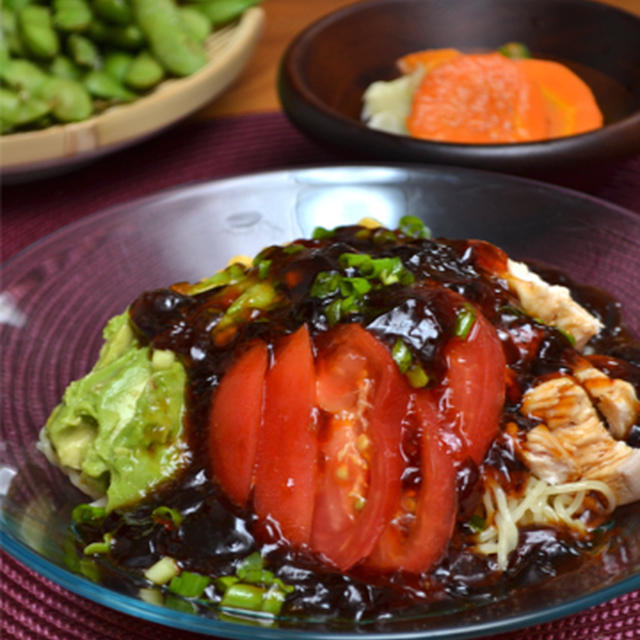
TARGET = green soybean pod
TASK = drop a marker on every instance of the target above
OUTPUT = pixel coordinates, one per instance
(169, 43)
(22, 75)
(101, 85)
(223, 11)
(71, 15)
(195, 23)
(69, 100)
(18, 111)
(16, 5)
(83, 51)
(144, 72)
(10, 33)
(115, 11)
(116, 64)
(63, 67)
(121, 36)
(37, 32)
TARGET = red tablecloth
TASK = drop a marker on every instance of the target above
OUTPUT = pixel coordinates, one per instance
(32, 607)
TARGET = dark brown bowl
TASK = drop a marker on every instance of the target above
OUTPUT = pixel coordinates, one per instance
(327, 68)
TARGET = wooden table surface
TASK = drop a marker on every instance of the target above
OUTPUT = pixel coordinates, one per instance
(255, 89)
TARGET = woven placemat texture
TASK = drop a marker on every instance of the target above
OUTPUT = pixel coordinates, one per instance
(32, 607)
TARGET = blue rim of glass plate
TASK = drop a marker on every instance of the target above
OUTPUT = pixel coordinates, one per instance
(199, 624)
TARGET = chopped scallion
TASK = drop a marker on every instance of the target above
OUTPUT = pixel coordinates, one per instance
(167, 515)
(243, 596)
(99, 548)
(189, 585)
(327, 283)
(417, 376)
(85, 513)
(414, 227)
(290, 249)
(263, 267)
(465, 317)
(401, 355)
(162, 571)
(320, 233)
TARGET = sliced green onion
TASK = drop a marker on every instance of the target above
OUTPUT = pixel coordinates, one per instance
(333, 312)
(320, 233)
(167, 514)
(477, 523)
(99, 548)
(89, 569)
(177, 603)
(231, 275)
(567, 335)
(417, 376)
(355, 260)
(243, 596)
(414, 227)
(224, 582)
(85, 513)
(465, 317)
(273, 600)
(162, 571)
(290, 249)
(384, 236)
(263, 268)
(259, 296)
(189, 585)
(515, 50)
(354, 286)
(327, 283)
(401, 355)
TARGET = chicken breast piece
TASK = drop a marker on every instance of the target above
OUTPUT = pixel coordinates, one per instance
(573, 444)
(553, 304)
(616, 399)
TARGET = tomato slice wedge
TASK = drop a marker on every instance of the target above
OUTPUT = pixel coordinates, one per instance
(234, 423)
(418, 535)
(285, 477)
(364, 399)
(473, 391)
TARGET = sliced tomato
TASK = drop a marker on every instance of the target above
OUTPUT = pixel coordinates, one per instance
(285, 477)
(234, 423)
(364, 399)
(473, 391)
(418, 535)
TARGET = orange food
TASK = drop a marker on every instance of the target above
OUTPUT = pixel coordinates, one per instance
(428, 59)
(571, 107)
(489, 98)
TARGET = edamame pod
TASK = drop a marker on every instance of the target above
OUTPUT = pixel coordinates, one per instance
(144, 72)
(160, 22)
(71, 15)
(83, 51)
(69, 100)
(18, 111)
(223, 11)
(64, 67)
(195, 23)
(22, 75)
(101, 85)
(10, 33)
(16, 5)
(121, 36)
(117, 63)
(115, 11)
(37, 32)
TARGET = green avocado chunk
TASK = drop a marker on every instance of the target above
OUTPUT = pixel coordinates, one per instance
(121, 426)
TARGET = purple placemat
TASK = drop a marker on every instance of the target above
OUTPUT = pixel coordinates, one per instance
(32, 607)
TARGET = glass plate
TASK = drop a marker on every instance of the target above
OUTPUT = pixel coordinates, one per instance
(58, 294)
